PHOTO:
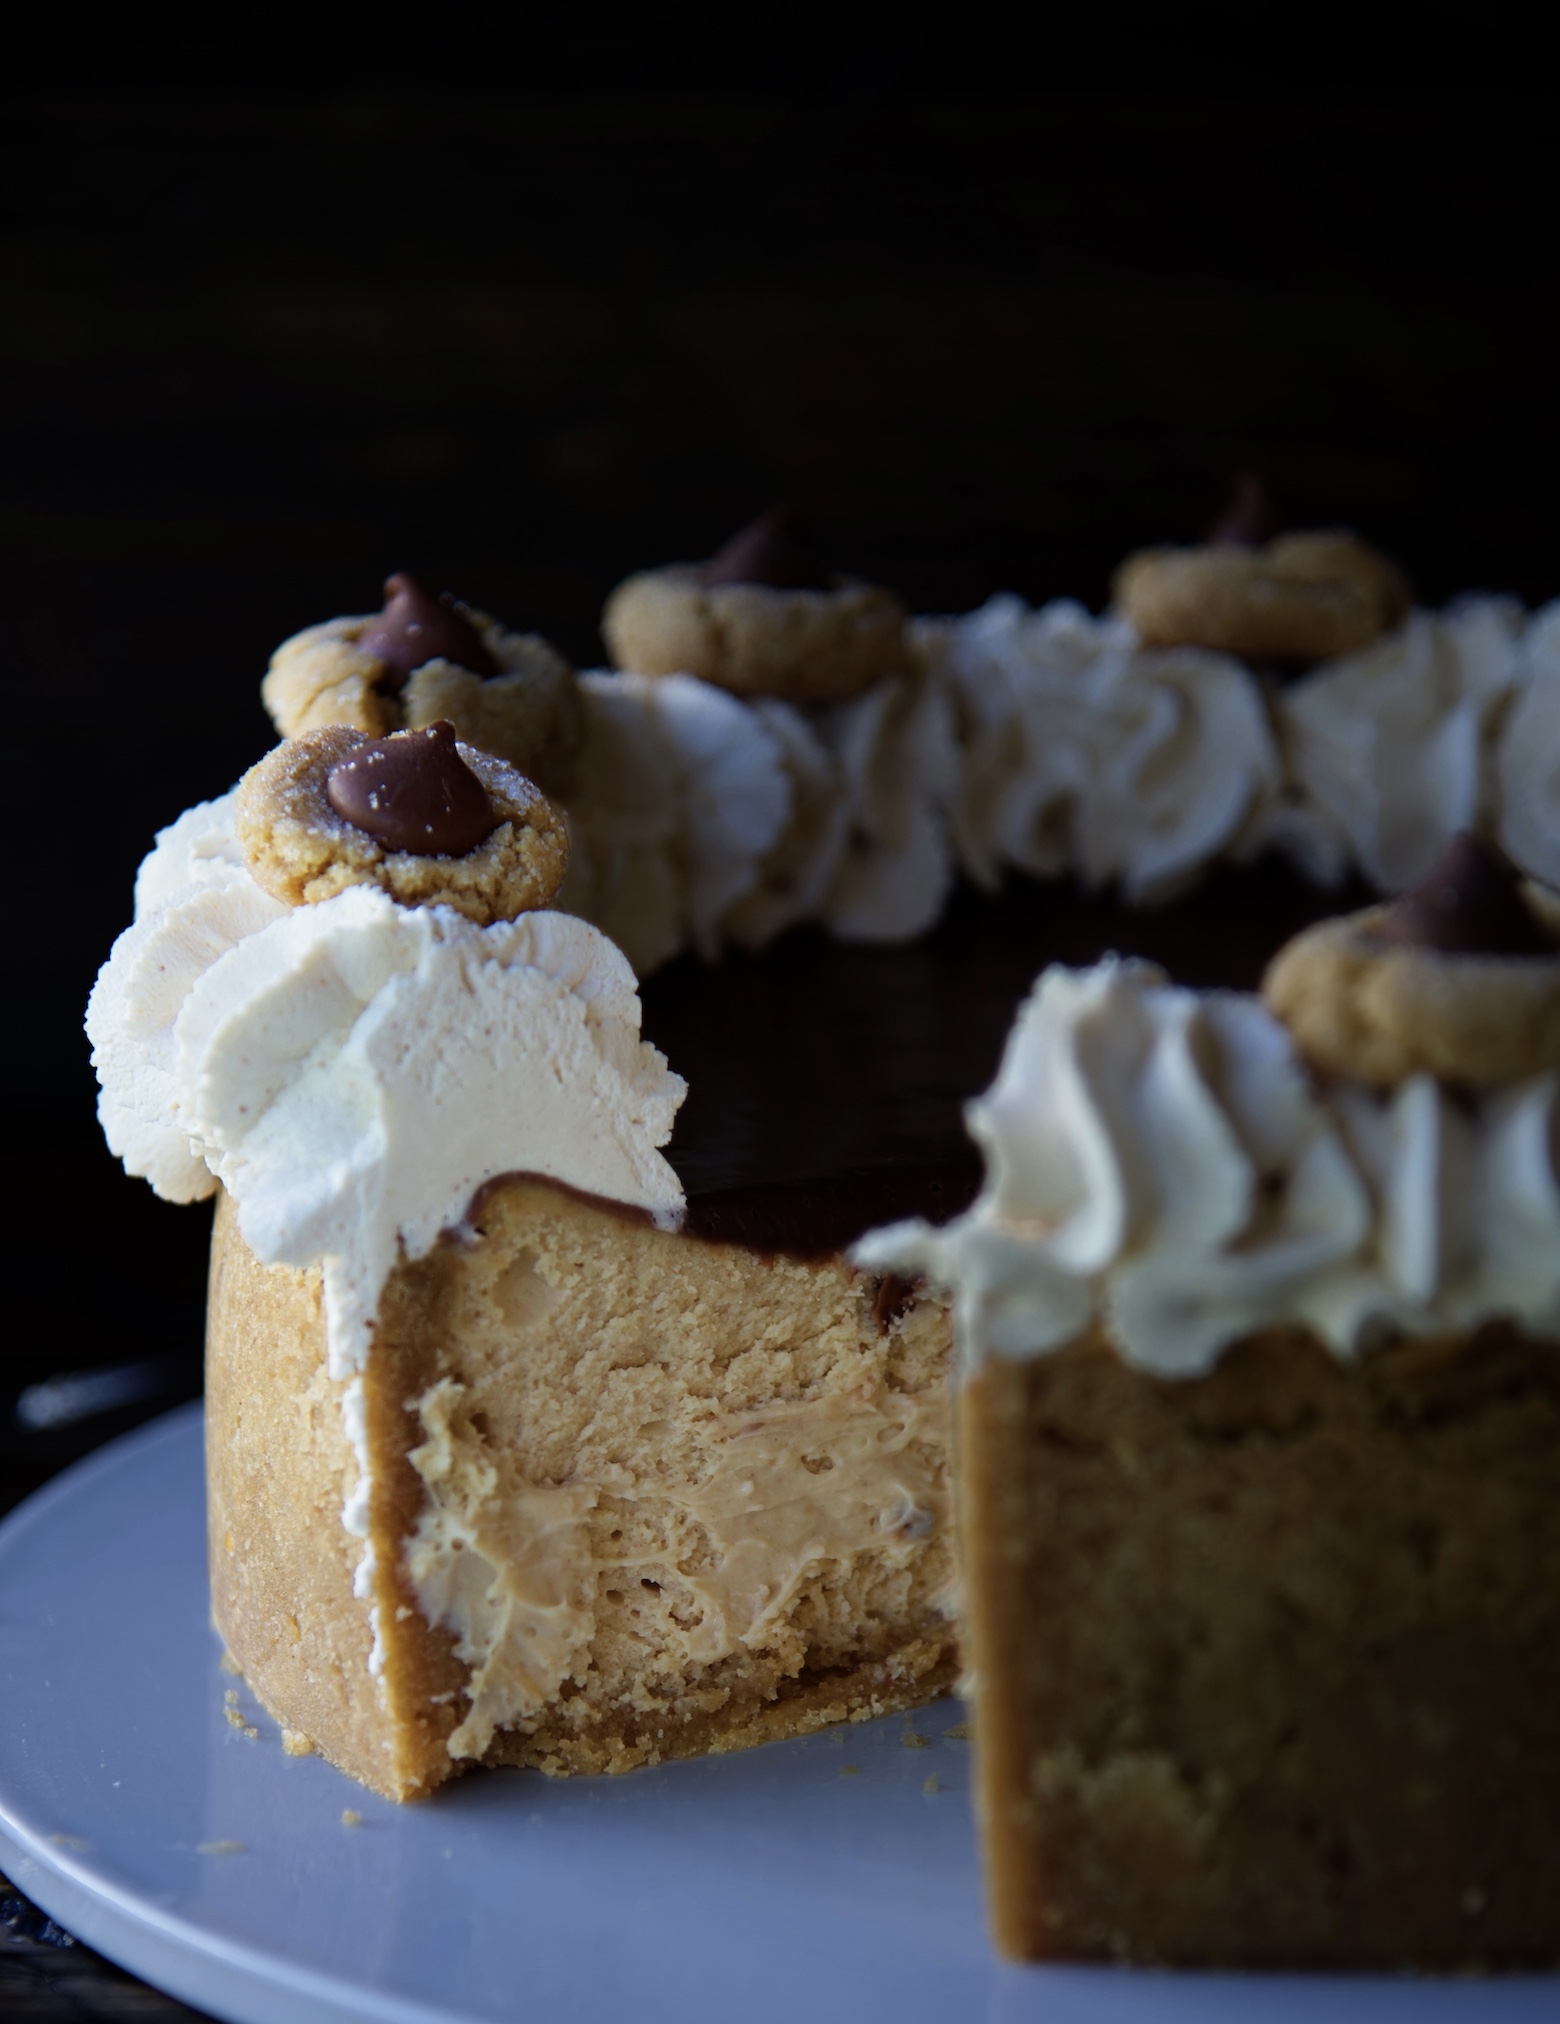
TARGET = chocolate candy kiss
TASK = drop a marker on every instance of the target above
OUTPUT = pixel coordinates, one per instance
(1468, 906)
(1248, 518)
(775, 549)
(413, 792)
(417, 626)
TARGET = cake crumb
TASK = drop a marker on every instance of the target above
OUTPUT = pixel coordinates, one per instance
(931, 1782)
(71, 1841)
(958, 1732)
(350, 1817)
(296, 1744)
(912, 1739)
(850, 1771)
(231, 1697)
(220, 1848)
(236, 1720)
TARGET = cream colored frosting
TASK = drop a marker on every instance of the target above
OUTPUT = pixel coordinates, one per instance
(355, 1518)
(194, 902)
(702, 818)
(898, 760)
(353, 1072)
(1528, 757)
(1084, 751)
(797, 873)
(682, 792)
(1393, 747)
(509, 1567)
(1158, 1161)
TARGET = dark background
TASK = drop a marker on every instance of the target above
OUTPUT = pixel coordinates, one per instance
(260, 349)
(525, 324)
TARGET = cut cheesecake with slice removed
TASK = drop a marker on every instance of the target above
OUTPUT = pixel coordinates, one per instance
(632, 1496)
(527, 1443)
(583, 1399)
(512, 1456)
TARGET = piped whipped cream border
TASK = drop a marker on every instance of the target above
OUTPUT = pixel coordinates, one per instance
(1161, 1164)
(1052, 742)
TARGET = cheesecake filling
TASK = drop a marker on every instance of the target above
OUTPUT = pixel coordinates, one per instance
(1158, 1160)
(516, 1570)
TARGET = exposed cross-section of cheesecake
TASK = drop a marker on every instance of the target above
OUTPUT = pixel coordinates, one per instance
(626, 1495)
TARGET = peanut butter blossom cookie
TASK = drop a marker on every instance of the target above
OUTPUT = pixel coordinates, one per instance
(1298, 598)
(423, 817)
(426, 658)
(1459, 978)
(762, 617)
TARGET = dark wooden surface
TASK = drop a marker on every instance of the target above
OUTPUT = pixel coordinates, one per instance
(258, 350)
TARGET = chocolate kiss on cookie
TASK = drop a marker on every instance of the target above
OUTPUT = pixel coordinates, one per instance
(775, 550)
(414, 792)
(1248, 519)
(1468, 906)
(417, 626)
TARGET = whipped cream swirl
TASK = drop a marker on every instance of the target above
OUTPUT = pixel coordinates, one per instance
(353, 1072)
(1393, 748)
(1085, 751)
(702, 818)
(1158, 1161)
(1528, 758)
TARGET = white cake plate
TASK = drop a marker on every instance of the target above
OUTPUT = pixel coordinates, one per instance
(829, 1879)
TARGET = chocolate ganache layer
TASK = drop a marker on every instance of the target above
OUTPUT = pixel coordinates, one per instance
(827, 1080)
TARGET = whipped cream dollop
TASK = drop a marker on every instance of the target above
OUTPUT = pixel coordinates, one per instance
(1158, 1161)
(897, 753)
(1393, 748)
(682, 793)
(703, 818)
(1084, 751)
(1528, 757)
(353, 1072)
(194, 901)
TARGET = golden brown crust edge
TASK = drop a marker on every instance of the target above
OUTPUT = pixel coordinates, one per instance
(279, 1469)
(1266, 1661)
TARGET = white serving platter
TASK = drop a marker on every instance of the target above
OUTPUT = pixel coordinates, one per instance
(829, 1879)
